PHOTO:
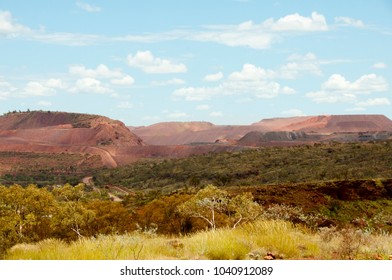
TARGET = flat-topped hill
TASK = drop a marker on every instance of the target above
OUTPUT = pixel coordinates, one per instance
(66, 132)
(328, 123)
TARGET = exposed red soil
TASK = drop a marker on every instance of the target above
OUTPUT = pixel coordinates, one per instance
(181, 133)
(329, 123)
(58, 132)
(42, 132)
(168, 128)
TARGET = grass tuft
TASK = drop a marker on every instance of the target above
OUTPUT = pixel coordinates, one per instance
(280, 239)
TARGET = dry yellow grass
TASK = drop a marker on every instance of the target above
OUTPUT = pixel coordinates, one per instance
(250, 241)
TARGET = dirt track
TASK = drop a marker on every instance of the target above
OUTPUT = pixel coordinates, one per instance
(88, 181)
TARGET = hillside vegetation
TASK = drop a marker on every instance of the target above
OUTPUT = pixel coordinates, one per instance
(71, 222)
(325, 201)
(269, 165)
(44, 169)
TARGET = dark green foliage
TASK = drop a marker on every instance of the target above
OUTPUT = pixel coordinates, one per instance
(333, 184)
(46, 169)
(270, 165)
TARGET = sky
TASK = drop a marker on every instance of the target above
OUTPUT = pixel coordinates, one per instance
(222, 61)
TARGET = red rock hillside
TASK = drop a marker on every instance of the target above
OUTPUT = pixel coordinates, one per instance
(328, 123)
(55, 132)
(180, 133)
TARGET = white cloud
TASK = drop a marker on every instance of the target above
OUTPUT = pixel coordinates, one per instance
(33, 88)
(177, 115)
(39, 88)
(102, 71)
(255, 81)
(9, 26)
(44, 103)
(256, 88)
(55, 83)
(242, 35)
(250, 72)
(145, 61)
(296, 67)
(299, 64)
(11, 29)
(296, 22)
(327, 97)
(292, 112)
(89, 85)
(213, 77)
(125, 105)
(355, 109)
(117, 77)
(197, 94)
(216, 114)
(288, 90)
(338, 89)
(257, 36)
(306, 57)
(203, 107)
(67, 39)
(245, 34)
(251, 80)
(6, 89)
(171, 82)
(293, 70)
(124, 81)
(379, 65)
(347, 21)
(228, 35)
(374, 102)
(365, 84)
(244, 100)
(88, 7)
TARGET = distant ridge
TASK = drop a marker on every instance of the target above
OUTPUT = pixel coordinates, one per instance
(116, 144)
(168, 128)
(180, 133)
(183, 133)
(329, 123)
(62, 132)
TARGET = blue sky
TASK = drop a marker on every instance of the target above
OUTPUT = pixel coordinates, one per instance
(223, 61)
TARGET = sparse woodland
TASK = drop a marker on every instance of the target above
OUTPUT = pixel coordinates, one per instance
(327, 201)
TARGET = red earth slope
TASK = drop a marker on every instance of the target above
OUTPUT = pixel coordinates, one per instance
(56, 132)
(180, 133)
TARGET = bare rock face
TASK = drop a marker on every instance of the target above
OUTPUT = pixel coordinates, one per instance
(66, 132)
